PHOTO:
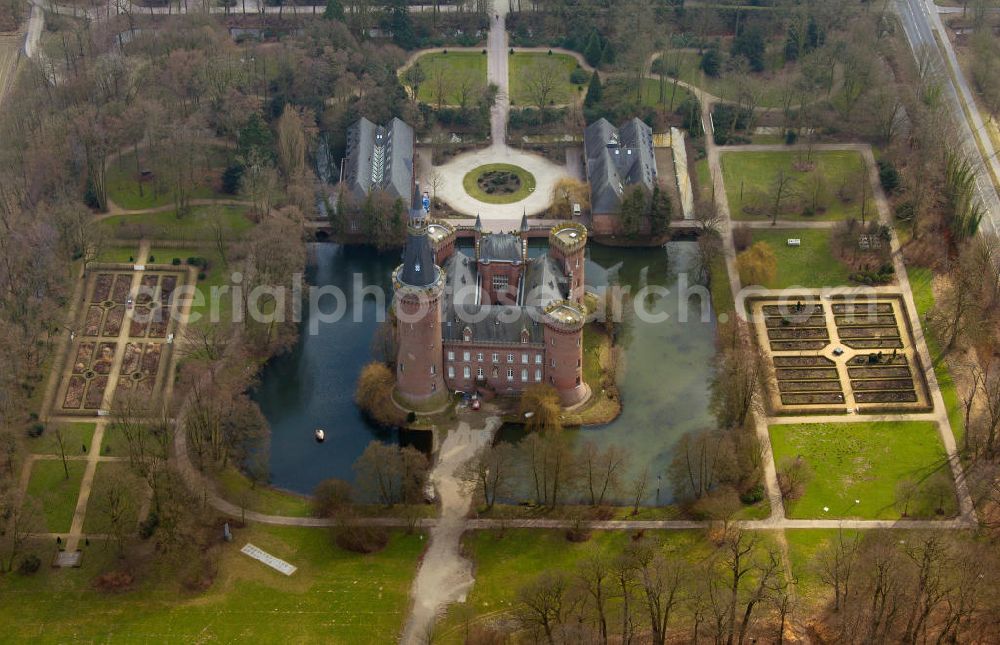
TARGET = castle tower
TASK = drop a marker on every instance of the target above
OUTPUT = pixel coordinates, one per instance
(567, 245)
(419, 287)
(563, 334)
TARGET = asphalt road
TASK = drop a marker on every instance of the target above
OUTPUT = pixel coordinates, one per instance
(919, 19)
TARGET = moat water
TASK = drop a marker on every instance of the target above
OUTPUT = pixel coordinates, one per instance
(668, 367)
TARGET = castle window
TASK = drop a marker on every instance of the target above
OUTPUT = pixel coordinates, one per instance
(451, 371)
(524, 359)
(524, 336)
(510, 375)
(578, 362)
(467, 334)
(479, 372)
(496, 357)
(466, 372)
(538, 375)
(524, 375)
(538, 359)
(465, 356)
(434, 369)
(510, 358)
(552, 363)
(451, 356)
(401, 367)
(479, 356)
(434, 386)
(500, 282)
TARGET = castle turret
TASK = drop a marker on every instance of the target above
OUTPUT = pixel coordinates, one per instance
(563, 332)
(567, 245)
(419, 287)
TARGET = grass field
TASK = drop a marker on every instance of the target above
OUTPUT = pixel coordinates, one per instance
(810, 265)
(527, 66)
(506, 562)
(750, 176)
(334, 596)
(97, 519)
(125, 189)
(863, 461)
(56, 494)
(469, 182)
(75, 436)
(922, 285)
(452, 69)
(234, 486)
(197, 225)
(804, 545)
(119, 254)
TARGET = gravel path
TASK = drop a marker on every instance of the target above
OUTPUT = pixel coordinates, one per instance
(445, 576)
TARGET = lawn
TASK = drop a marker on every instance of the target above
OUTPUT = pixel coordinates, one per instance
(526, 68)
(922, 285)
(334, 596)
(526, 179)
(444, 74)
(75, 436)
(750, 177)
(123, 184)
(721, 290)
(810, 265)
(865, 462)
(119, 254)
(804, 546)
(97, 520)
(56, 494)
(235, 487)
(196, 225)
(505, 562)
(673, 96)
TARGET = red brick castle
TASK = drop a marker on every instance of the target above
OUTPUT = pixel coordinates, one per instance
(495, 322)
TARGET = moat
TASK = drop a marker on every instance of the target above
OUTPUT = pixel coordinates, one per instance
(664, 390)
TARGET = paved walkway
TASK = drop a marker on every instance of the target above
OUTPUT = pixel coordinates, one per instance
(445, 576)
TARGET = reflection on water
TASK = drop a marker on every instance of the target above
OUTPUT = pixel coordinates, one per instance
(668, 368)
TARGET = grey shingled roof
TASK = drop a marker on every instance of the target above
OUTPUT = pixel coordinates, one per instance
(544, 282)
(617, 158)
(460, 279)
(380, 158)
(492, 323)
(504, 247)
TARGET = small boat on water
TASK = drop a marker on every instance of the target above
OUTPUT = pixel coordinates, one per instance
(320, 435)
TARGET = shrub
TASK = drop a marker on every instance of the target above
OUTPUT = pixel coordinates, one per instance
(791, 136)
(202, 275)
(231, 178)
(36, 430)
(152, 259)
(29, 565)
(742, 237)
(578, 76)
(361, 539)
(330, 497)
(758, 265)
(148, 526)
(114, 581)
(888, 176)
(176, 262)
(711, 62)
(753, 495)
(793, 475)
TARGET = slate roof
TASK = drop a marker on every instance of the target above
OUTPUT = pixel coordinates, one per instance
(617, 158)
(418, 260)
(503, 247)
(544, 282)
(380, 158)
(460, 279)
(492, 323)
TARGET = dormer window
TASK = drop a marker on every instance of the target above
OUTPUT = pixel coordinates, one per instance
(524, 336)
(417, 266)
(467, 334)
